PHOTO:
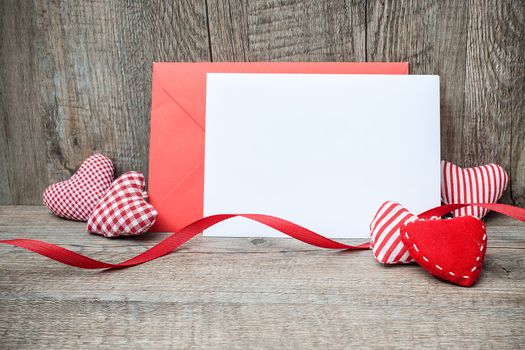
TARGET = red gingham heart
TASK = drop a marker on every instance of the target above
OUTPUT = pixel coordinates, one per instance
(75, 198)
(482, 184)
(385, 236)
(123, 211)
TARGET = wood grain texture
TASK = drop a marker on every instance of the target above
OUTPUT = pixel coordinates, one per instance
(495, 89)
(75, 76)
(78, 80)
(287, 30)
(476, 49)
(22, 138)
(249, 293)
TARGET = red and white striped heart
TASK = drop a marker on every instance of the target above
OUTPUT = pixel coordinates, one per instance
(385, 236)
(123, 210)
(75, 198)
(482, 184)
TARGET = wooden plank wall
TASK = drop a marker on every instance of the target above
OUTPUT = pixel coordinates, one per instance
(75, 76)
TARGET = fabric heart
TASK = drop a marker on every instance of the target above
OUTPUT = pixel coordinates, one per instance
(385, 238)
(450, 249)
(483, 184)
(123, 210)
(75, 198)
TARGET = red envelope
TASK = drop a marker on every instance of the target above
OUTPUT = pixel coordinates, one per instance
(176, 163)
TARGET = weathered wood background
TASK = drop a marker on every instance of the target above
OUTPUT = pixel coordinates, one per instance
(75, 76)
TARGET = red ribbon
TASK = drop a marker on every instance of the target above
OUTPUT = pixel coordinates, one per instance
(177, 239)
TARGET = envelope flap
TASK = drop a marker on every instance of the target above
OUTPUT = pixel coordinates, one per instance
(185, 82)
(182, 82)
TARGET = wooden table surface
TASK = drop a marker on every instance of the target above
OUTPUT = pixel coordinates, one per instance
(249, 293)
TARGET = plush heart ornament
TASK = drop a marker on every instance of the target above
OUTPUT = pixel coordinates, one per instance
(75, 198)
(450, 249)
(123, 210)
(385, 237)
(482, 184)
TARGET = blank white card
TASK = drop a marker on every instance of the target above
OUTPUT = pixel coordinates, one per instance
(321, 150)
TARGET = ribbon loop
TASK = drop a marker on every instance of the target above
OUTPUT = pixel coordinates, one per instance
(175, 240)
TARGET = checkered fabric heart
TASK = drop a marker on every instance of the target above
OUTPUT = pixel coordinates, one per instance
(76, 198)
(123, 210)
(385, 236)
(482, 184)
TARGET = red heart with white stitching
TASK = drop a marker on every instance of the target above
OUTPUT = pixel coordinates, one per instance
(123, 210)
(75, 198)
(385, 238)
(482, 184)
(450, 249)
